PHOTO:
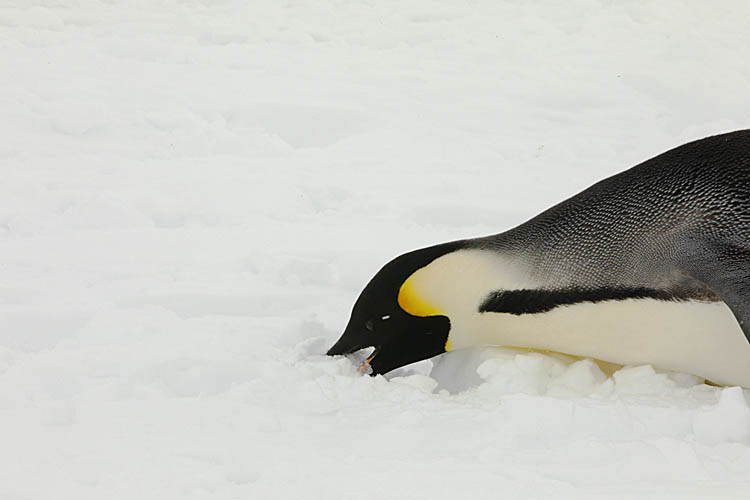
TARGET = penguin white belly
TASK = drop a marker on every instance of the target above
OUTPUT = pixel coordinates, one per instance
(700, 338)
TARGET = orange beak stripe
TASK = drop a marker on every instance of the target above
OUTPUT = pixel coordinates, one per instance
(365, 364)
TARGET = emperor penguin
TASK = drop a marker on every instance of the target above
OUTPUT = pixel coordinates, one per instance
(649, 266)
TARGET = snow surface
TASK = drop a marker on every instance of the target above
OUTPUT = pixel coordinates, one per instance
(194, 193)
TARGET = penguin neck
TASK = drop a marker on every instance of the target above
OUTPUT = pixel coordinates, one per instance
(456, 284)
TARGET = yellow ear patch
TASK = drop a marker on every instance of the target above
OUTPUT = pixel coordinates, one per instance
(412, 303)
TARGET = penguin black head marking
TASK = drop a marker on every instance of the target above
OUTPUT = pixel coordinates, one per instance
(387, 318)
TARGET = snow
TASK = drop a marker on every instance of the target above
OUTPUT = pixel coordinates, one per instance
(194, 193)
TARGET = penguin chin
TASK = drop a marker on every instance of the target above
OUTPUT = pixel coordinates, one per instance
(393, 355)
(368, 360)
(365, 358)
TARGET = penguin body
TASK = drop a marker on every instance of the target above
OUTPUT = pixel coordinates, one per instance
(650, 266)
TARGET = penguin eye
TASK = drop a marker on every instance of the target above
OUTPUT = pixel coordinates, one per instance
(370, 324)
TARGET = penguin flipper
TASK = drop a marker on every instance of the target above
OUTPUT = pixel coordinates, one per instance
(726, 271)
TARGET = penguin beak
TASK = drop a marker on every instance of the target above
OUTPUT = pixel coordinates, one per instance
(349, 343)
(354, 339)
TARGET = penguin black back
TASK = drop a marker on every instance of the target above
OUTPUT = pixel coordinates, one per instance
(650, 219)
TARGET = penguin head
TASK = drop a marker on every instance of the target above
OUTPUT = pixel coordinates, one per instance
(390, 317)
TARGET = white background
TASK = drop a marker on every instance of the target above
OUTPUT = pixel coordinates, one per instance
(192, 195)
